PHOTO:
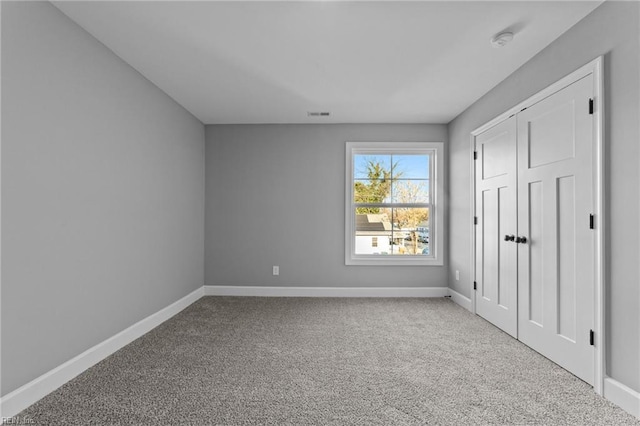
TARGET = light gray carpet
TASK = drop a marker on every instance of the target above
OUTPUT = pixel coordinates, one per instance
(312, 361)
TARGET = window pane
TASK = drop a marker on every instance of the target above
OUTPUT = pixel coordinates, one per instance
(373, 232)
(410, 191)
(411, 231)
(371, 166)
(371, 191)
(398, 231)
(411, 166)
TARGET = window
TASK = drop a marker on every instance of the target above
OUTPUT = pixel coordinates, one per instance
(393, 214)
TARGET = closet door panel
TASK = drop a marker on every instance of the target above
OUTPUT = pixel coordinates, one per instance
(496, 273)
(555, 199)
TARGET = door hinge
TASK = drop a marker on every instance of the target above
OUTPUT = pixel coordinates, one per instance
(475, 155)
(592, 338)
(592, 224)
(475, 285)
(590, 105)
(475, 220)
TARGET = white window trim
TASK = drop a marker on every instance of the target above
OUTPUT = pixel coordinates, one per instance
(436, 198)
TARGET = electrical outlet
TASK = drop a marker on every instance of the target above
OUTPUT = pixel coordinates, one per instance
(276, 270)
(457, 275)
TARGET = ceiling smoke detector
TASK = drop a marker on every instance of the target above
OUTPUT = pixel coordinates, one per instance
(499, 40)
(318, 114)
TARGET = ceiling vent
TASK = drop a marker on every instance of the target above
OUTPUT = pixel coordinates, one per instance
(318, 114)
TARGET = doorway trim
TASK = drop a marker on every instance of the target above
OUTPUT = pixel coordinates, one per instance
(595, 67)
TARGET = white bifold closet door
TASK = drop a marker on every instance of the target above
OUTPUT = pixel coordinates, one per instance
(534, 246)
(496, 211)
(555, 201)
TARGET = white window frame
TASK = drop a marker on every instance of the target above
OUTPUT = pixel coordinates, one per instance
(436, 214)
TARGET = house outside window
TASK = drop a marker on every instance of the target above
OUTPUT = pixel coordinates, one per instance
(393, 214)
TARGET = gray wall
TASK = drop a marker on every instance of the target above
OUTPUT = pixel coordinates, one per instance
(102, 194)
(611, 30)
(275, 196)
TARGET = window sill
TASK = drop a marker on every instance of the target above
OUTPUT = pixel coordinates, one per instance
(395, 261)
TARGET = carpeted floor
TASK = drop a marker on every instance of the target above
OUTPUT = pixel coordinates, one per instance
(314, 361)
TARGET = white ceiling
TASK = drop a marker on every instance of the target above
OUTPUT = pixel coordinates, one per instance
(365, 62)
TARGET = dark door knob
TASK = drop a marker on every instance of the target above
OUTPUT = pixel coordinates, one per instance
(509, 237)
(521, 240)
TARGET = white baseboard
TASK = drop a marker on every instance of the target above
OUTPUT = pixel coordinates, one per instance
(21, 398)
(623, 396)
(461, 300)
(222, 290)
